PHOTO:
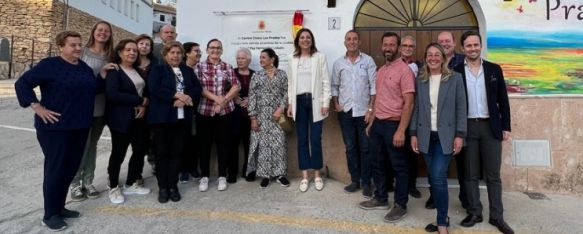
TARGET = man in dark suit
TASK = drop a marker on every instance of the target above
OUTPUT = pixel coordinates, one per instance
(488, 126)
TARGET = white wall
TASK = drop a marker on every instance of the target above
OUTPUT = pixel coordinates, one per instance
(103, 9)
(196, 21)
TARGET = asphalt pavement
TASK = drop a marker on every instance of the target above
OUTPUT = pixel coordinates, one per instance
(243, 208)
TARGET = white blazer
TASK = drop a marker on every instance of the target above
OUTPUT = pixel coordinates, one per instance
(320, 84)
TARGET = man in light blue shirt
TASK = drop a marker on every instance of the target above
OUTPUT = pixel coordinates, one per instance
(353, 93)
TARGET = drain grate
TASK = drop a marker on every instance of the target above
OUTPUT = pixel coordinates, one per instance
(536, 196)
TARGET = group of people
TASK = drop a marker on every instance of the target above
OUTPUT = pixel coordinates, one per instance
(169, 105)
(448, 105)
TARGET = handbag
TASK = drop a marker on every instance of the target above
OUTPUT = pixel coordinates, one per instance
(286, 123)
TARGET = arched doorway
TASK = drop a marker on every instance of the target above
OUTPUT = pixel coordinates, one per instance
(422, 19)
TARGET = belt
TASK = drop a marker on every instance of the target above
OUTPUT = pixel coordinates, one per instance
(388, 120)
(304, 95)
(478, 119)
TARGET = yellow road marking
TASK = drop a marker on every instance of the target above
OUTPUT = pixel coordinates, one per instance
(340, 225)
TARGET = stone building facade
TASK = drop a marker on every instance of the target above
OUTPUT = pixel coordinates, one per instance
(33, 25)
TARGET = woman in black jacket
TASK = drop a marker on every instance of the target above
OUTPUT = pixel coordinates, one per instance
(174, 89)
(125, 110)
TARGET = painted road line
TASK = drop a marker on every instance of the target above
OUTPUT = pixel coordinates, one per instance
(292, 221)
(34, 130)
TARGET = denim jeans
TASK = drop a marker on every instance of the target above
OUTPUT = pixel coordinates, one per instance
(437, 165)
(309, 135)
(356, 143)
(381, 135)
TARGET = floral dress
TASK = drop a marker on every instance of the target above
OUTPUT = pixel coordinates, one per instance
(268, 151)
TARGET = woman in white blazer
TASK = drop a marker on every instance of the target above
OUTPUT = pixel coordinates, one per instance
(309, 100)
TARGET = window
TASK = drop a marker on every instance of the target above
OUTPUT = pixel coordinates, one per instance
(137, 13)
(104, 2)
(112, 4)
(125, 7)
(162, 18)
(132, 9)
(119, 6)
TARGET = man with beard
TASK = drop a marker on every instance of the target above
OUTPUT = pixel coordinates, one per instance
(392, 111)
(488, 126)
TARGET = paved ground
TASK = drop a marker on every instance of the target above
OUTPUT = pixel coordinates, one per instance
(243, 208)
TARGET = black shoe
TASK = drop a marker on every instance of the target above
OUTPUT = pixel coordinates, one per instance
(471, 220)
(432, 227)
(501, 225)
(55, 223)
(352, 187)
(69, 214)
(429, 203)
(391, 189)
(231, 180)
(163, 196)
(414, 192)
(366, 191)
(250, 177)
(174, 195)
(264, 183)
(195, 174)
(283, 181)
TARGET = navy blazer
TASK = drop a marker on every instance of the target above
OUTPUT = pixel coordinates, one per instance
(122, 97)
(162, 88)
(497, 96)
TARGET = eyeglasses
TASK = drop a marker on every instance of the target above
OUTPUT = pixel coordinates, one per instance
(215, 48)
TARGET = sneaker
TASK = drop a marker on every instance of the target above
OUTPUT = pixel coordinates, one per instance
(115, 195)
(374, 204)
(92, 192)
(183, 177)
(135, 189)
(203, 185)
(69, 214)
(366, 191)
(319, 183)
(283, 181)
(222, 184)
(55, 223)
(77, 193)
(264, 183)
(396, 214)
(304, 184)
(352, 187)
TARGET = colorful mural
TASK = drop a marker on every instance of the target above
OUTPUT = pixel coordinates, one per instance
(538, 43)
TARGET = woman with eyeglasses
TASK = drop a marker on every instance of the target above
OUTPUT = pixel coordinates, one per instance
(219, 87)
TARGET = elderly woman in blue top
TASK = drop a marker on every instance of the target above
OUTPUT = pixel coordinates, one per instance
(438, 125)
(62, 120)
(174, 89)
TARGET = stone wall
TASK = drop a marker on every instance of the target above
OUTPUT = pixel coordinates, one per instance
(40, 21)
(27, 20)
(82, 22)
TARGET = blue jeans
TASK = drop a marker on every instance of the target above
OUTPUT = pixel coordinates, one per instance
(309, 135)
(356, 143)
(437, 165)
(381, 135)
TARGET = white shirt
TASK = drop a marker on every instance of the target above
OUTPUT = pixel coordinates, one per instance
(304, 75)
(434, 83)
(476, 90)
(136, 79)
(179, 89)
(354, 83)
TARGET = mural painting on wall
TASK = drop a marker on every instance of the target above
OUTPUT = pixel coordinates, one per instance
(538, 43)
